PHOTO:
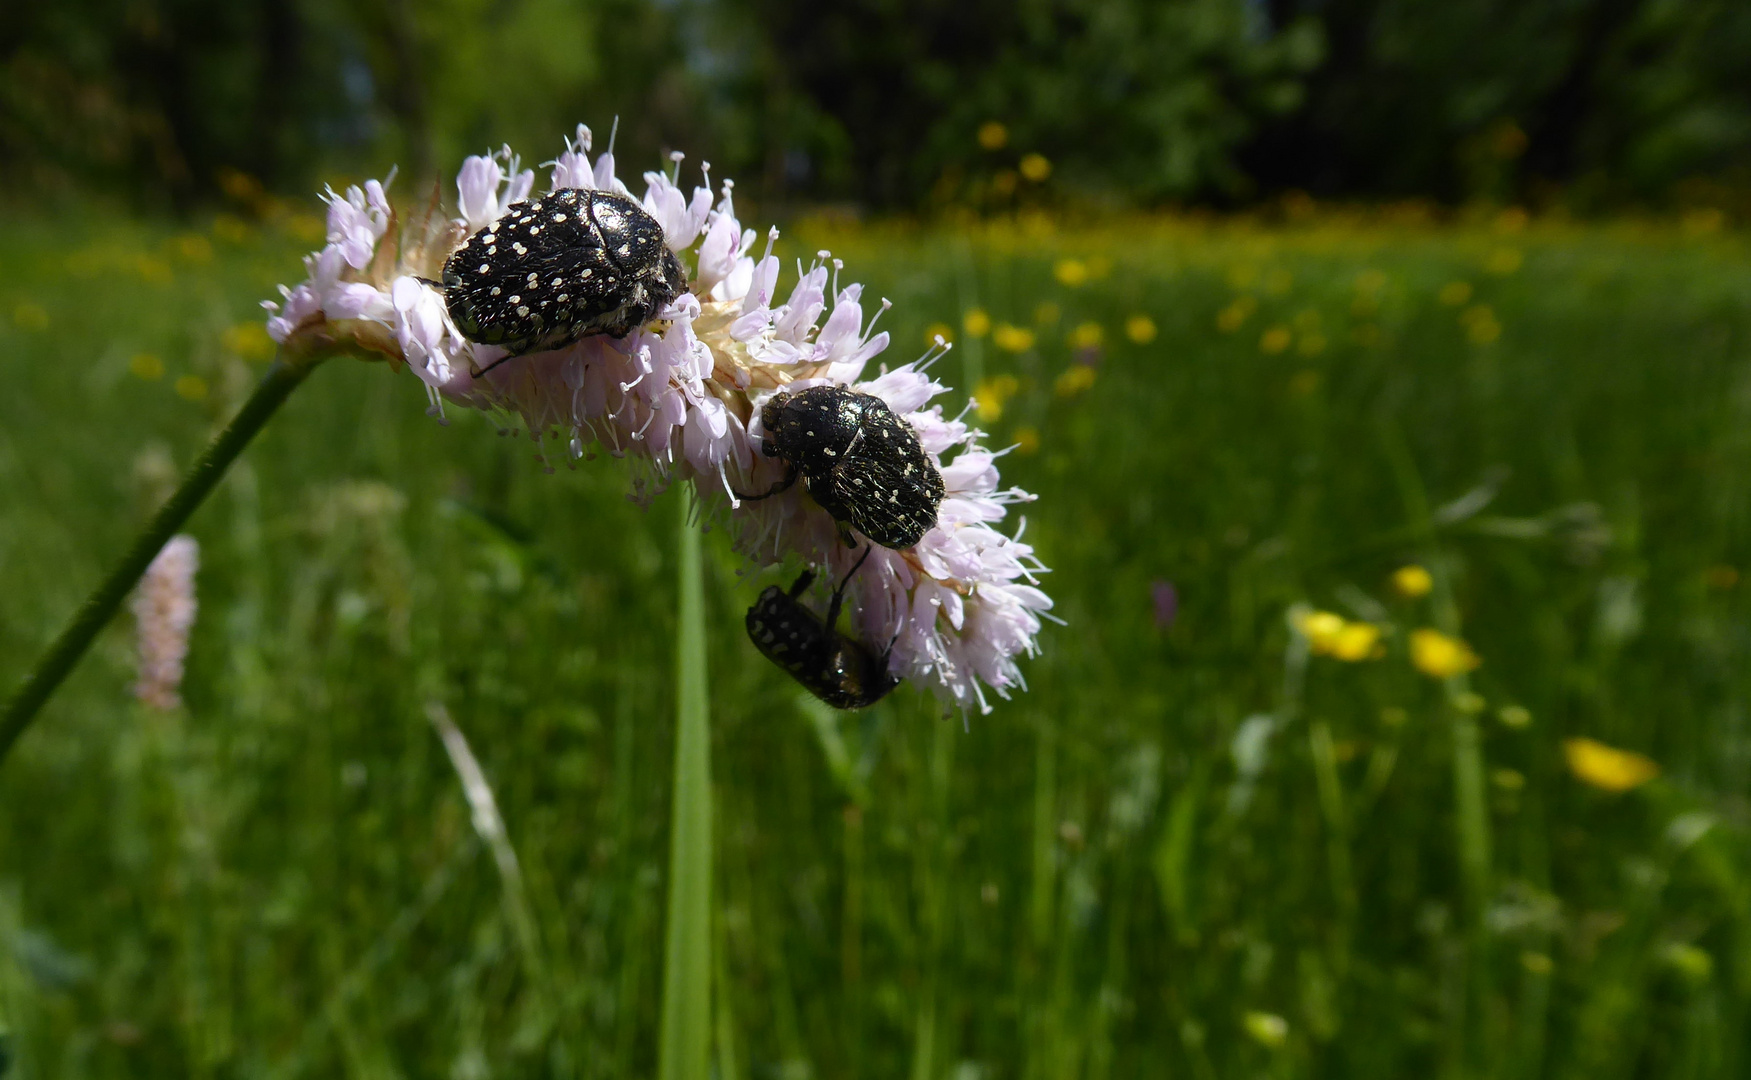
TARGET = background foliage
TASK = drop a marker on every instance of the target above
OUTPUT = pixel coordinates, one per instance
(882, 102)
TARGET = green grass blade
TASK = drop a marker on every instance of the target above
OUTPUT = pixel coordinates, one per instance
(684, 1050)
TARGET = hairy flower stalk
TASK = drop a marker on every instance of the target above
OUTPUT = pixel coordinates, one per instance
(683, 394)
(164, 613)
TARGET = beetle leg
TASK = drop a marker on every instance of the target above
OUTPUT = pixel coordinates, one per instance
(790, 475)
(802, 583)
(477, 372)
(839, 593)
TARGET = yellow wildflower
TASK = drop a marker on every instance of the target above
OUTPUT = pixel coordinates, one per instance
(192, 387)
(1455, 293)
(1412, 581)
(30, 316)
(1276, 339)
(1356, 641)
(1231, 317)
(990, 395)
(1035, 167)
(1027, 440)
(1012, 338)
(194, 247)
(976, 322)
(1330, 634)
(1140, 329)
(992, 135)
(153, 270)
(146, 366)
(1071, 273)
(1074, 380)
(1504, 260)
(249, 340)
(1087, 335)
(1606, 767)
(1439, 656)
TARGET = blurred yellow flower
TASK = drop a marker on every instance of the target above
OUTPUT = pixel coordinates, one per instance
(1512, 219)
(1012, 338)
(1412, 581)
(1504, 260)
(938, 330)
(1276, 339)
(1071, 273)
(146, 366)
(1455, 293)
(1266, 1029)
(992, 135)
(249, 340)
(976, 322)
(1087, 335)
(1140, 329)
(153, 270)
(1508, 779)
(1231, 317)
(1242, 277)
(1330, 634)
(192, 387)
(194, 247)
(1004, 182)
(990, 395)
(1074, 380)
(1439, 656)
(1304, 382)
(1606, 767)
(1480, 323)
(1035, 167)
(1027, 440)
(30, 316)
(234, 230)
(1702, 221)
(306, 227)
(1047, 313)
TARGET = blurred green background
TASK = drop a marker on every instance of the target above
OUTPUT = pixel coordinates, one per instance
(1274, 301)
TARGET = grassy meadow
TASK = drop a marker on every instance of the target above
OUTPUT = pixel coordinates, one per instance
(1260, 813)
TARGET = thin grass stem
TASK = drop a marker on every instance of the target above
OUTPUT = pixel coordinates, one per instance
(93, 615)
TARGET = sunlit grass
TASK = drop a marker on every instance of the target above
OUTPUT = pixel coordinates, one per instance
(1504, 462)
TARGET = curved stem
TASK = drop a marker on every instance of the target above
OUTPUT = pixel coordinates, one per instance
(101, 605)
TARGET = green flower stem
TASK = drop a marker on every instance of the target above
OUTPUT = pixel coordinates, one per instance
(101, 606)
(684, 1047)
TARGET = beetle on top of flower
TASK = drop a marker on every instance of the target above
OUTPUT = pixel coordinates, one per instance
(686, 358)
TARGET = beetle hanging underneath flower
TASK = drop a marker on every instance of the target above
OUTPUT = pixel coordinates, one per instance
(688, 359)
